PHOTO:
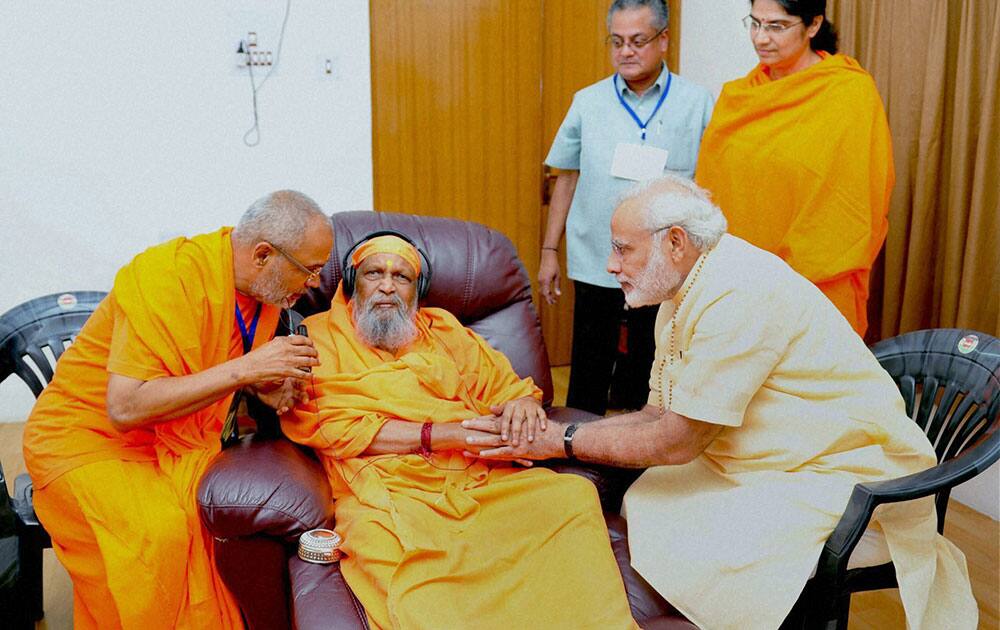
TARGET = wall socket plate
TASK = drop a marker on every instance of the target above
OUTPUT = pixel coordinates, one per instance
(248, 53)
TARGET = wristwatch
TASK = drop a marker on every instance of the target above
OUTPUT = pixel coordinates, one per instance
(568, 440)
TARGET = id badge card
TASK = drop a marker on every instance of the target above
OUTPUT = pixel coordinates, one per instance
(638, 162)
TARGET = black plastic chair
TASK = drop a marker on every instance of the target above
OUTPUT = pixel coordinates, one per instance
(950, 381)
(33, 336)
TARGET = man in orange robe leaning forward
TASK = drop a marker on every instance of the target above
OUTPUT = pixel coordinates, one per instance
(435, 537)
(117, 442)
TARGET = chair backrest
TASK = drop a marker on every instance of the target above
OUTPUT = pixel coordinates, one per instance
(950, 381)
(33, 335)
(477, 277)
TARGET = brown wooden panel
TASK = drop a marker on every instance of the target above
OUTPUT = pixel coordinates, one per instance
(674, 46)
(574, 57)
(456, 112)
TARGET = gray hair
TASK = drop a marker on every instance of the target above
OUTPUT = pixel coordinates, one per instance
(281, 218)
(661, 14)
(671, 200)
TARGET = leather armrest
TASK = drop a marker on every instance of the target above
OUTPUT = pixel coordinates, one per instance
(570, 415)
(611, 482)
(321, 599)
(263, 486)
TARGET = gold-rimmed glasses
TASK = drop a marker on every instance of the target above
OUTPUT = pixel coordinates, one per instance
(311, 274)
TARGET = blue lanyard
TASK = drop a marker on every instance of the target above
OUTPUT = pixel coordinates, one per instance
(248, 335)
(621, 99)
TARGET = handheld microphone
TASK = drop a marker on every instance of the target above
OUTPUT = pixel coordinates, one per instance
(302, 330)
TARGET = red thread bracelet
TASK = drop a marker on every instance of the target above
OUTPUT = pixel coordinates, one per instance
(425, 439)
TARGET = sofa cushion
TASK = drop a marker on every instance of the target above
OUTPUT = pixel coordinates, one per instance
(261, 486)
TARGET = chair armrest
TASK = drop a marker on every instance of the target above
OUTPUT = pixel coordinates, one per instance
(264, 486)
(611, 482)
(22, 501)
(867, 496)
(28, 524)
(570, 415)
(321, 599)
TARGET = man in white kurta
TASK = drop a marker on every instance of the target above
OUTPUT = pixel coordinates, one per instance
(768, 408)
(807, 412)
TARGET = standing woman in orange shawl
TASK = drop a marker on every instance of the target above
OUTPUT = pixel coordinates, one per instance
(798, 154)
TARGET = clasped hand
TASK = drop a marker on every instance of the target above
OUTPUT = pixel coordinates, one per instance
(282, 357)
(279, 369)
(281, 395)
(510, 433)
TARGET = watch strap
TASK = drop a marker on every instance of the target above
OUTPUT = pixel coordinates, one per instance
(568, 440)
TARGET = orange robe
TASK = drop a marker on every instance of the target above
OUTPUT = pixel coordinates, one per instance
(121, 507)
(453, 542)
(802, 167)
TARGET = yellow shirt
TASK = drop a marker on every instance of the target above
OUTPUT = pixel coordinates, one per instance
(807, 412)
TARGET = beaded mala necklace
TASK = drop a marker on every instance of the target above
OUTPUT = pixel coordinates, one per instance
(673, 326)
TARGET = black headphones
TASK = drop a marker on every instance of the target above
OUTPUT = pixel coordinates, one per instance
(350, 273)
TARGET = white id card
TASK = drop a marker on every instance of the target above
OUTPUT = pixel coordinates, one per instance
(638, 162)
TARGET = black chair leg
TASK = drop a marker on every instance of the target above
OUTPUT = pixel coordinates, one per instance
(843, 611)
(31, 573)
(815, 612)
(34, 539)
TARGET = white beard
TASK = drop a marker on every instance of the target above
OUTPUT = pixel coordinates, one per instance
(385, 329)
(267, 288)
(656, 283)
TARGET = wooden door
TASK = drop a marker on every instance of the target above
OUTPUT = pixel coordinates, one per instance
(575, 57)
(467, 96)
(456, 112)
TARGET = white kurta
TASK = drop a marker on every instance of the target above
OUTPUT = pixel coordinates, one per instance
(731, 538)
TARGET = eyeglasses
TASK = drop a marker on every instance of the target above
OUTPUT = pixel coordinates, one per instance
(754, 25)
(637, 43)
(621, 249)
(311, 274)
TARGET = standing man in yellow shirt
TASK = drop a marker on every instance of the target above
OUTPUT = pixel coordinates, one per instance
(765, 409)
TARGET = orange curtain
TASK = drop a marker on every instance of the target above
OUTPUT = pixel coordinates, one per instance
(937, 66)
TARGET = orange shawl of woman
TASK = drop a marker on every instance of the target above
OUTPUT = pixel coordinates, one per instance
(802, 167)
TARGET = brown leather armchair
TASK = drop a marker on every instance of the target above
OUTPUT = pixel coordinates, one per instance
(261, 494)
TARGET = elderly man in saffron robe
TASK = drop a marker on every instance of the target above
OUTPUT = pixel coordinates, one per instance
(117, 442)
(434, 537)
